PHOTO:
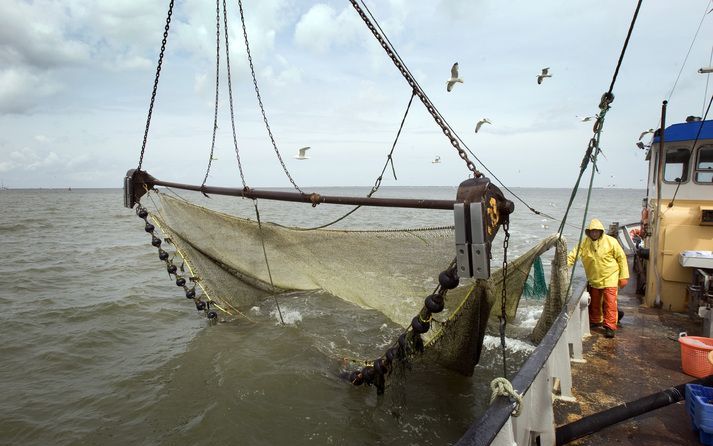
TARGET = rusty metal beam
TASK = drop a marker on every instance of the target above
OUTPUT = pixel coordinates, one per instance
(139, 178)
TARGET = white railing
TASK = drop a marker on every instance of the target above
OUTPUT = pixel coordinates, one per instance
(545, 376)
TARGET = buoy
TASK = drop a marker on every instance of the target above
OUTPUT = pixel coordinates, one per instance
(419, 326)
(435, 303)
(448, 279)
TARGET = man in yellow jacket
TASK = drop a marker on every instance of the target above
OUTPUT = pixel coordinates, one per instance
(606, 268)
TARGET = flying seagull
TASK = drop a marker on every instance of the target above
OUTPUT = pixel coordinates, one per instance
(437, 160)
(544, 74)
(301, 154)
(585, 118)
(480, 124)
(644, 133)
(454, 77)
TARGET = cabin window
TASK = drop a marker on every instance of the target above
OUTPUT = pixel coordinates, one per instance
(704, 165)
(676, 166)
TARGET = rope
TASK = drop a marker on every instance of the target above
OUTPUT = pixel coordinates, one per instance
(217, 85)
(377, 183)
(623, 50)
(593, 148)
(267, 262)
(503, 387)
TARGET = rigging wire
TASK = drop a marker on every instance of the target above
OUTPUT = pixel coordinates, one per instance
(259, 98)
(155, 82)
(230, 95)
(693, 147)
(708, 78)
(695, 36)
(392, 48)
(217, 88)
(377, 183)
(593, 147)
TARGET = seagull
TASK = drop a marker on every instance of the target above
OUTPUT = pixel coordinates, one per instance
(301, 154)
(454, 77)
(480, 123)
(585, 118)
(437, 160)
(543, 75)
(645, 132)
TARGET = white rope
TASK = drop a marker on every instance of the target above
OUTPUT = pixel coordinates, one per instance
(501, 386)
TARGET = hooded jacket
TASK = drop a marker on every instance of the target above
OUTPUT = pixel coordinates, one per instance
(604, 261)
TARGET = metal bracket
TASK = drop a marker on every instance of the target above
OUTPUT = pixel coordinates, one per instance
(136, 182)
(481, 210)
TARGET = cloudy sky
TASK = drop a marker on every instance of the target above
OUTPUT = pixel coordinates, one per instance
(76, 78)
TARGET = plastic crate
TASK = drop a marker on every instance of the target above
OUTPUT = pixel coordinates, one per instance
(699, 405)
(694, 355)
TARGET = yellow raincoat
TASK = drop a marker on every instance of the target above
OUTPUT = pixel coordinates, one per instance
(604, 261)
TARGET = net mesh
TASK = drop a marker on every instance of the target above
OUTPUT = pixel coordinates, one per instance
(391, 271)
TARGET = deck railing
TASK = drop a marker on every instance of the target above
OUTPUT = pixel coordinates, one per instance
(545, 375)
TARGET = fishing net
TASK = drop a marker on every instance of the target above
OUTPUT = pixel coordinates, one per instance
(237, 263)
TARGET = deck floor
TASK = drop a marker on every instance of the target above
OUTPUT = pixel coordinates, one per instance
(643, 358)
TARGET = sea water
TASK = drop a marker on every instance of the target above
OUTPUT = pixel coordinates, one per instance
(100, 347)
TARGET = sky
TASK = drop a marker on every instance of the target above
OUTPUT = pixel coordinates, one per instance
(76, 79)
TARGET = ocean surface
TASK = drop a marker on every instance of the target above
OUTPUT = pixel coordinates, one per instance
(100, 347)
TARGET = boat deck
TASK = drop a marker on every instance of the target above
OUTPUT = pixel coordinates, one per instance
(643, 358)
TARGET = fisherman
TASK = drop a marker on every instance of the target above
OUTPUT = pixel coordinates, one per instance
(606, 268)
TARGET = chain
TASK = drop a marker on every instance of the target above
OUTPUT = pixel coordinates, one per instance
(503, 297)
(230, 94)
(155, 82)
(217, 85)
(417, 90)
(259, 98)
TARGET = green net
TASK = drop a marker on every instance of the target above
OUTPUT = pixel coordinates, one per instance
(237, 263)
(536, 284)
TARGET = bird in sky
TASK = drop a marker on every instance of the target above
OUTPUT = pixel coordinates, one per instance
(480, 124)
(437, 160)
(544, 74)
(585, 118)
(301, 153)
(454, 77)
(644, 133)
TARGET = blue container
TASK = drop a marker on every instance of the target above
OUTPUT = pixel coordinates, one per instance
(699, 405)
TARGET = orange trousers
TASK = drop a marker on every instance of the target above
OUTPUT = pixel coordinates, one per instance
(603, 306)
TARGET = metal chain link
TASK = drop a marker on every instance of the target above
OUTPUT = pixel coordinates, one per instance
(259, 98)
(417, 90)
(503, 297)
(230, 94)
(155, 82)
(217, 87)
